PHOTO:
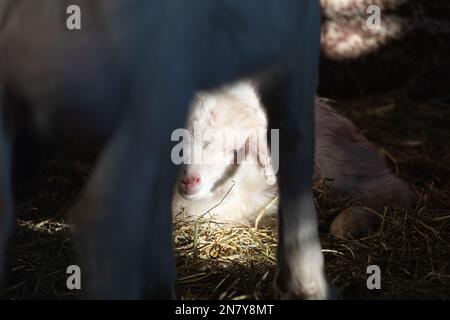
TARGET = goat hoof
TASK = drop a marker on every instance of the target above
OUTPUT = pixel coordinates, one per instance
(330, 295)
(314, 289)
(354, 222)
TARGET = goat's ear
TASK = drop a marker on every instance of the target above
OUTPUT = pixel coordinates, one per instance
(259, 147)
(266, 165)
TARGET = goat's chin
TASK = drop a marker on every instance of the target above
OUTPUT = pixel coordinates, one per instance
(200, 195)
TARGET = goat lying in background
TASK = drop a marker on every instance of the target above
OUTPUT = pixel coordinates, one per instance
(238, 191)
(128, 76)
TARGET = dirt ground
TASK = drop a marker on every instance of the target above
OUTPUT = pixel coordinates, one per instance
(400, 99)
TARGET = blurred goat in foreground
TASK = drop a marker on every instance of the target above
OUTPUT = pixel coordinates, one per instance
(223, 124)
(128, 76)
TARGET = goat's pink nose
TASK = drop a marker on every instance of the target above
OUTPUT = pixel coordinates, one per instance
(192, 180)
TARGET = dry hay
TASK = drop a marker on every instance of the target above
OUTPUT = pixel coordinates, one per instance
(412, 247)
(239, 262)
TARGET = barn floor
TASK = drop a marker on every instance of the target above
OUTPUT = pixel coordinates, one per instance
(412, 248)
(407, 115)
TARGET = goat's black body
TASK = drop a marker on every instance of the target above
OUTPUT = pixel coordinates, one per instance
(129, 75)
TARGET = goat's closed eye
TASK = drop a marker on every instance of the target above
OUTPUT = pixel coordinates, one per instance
(206, 143)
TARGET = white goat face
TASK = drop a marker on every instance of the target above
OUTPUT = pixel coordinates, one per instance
(227, 127)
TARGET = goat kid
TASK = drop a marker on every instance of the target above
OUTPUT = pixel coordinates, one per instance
(230, 191)
(227, 129)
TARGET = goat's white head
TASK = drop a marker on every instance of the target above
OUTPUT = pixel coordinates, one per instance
(226, 127)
